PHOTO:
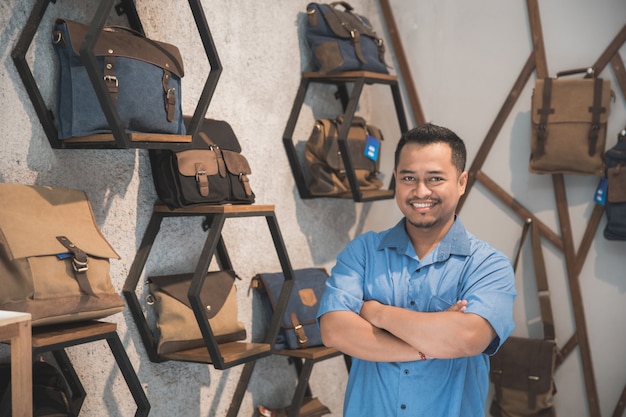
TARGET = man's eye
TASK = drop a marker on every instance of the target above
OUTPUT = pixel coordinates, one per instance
(436, 179)
(408, 179)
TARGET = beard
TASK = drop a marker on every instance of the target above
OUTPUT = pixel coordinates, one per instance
(423, 224)
(417, 222)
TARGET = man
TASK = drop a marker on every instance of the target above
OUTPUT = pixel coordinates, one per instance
(420, 306)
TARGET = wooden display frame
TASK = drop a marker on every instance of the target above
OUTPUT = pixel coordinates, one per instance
(574, 259)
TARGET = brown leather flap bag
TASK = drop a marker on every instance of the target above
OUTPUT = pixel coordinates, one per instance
(54, 261)
(125, 42)
(522, 373)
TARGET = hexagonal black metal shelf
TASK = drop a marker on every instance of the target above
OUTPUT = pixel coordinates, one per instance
(349, 101)
(119, 139)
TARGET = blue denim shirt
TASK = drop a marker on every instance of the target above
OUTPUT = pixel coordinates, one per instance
(383, 266)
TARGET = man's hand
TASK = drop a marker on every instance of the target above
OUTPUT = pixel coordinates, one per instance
(459, 306)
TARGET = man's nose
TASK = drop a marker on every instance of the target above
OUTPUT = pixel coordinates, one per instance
(422, 190)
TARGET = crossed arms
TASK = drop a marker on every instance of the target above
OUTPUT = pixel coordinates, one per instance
(385, 333)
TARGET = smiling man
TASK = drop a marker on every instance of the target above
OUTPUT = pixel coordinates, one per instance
(421, 306)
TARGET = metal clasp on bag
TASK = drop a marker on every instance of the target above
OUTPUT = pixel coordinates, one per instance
(302, 340)
(200, 173)
(80, 266)
(170, 91)
(109, 78)
(150, 299)
(56, 37)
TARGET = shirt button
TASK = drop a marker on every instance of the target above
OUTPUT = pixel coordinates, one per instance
(418, 269)
(412, 302)
(406, 372)
(403, 406)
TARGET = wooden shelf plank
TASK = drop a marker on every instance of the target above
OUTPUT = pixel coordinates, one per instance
(231, 352)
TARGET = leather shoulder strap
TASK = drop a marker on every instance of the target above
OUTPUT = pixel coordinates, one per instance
(544, 111)
(541, 277)
(596, 110)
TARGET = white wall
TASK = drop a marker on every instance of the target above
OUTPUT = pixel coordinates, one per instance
(464, 56)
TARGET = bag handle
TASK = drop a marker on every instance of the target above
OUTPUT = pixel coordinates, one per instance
(119, 28)
(518, 252)
(541, 277)
(345, 5)
(589, 72)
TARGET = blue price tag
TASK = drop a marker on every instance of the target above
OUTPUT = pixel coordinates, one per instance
(372, 147)
(600, 196)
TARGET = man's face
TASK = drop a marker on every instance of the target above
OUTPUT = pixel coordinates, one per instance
(428, 185)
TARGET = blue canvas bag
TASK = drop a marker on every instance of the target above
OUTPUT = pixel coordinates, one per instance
(615, 205)
(299, 328)
(143, 78)
(341, 40)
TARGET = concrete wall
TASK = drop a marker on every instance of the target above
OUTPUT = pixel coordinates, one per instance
(464, 56)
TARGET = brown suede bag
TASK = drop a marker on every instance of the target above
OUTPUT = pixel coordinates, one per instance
(325, 162)
(54, 261)
(175, 319)
(569, 118)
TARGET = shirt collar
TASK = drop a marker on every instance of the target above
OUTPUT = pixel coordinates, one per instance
(455, 242)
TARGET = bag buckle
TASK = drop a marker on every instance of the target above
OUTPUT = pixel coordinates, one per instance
(200, 174)
(301, 339)
(80, 266)
(111, 78)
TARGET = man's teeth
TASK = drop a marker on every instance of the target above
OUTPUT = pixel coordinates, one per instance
(422, 205)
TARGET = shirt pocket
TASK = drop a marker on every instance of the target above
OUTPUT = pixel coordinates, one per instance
(437, 303)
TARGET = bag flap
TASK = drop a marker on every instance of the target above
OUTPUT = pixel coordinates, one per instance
(192, 161)
(213, 294)
(31, 217)
(236, 163)
(520, 360)
(341, 22)
(214, 132)
(570, 99)
(124, 44)
(305, 296)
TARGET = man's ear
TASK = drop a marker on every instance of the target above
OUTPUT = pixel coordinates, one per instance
(463, 182)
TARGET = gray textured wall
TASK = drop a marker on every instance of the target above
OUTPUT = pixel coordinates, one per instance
(464, 56)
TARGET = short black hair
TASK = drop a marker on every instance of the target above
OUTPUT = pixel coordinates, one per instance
(429, 133)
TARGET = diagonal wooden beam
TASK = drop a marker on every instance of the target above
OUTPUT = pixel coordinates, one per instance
(405, 71)
(536, 32)
(518, 208)
(610, 51)
(618, 67)
(576, 294)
